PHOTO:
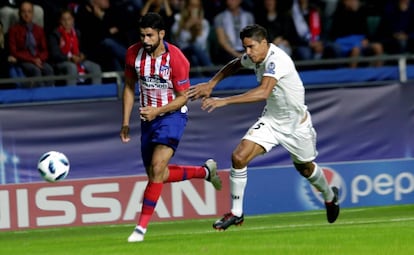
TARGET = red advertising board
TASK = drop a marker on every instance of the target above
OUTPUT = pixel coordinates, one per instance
(105, 201)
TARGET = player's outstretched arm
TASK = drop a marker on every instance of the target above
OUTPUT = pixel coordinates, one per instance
(204, 89)
(200, 90)
(257, 94)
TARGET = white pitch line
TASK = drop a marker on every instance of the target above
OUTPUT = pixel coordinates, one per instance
(289, 226)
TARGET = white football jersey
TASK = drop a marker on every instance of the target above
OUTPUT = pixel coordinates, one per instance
(285, 106)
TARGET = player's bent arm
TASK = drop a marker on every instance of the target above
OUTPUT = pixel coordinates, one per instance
(179, 101)
(257, 94)
(203, 90)
(128, 99)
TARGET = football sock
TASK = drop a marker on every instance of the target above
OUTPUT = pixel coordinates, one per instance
(318, 180)
(238, 181)
(140, 228)
(151, 195)
(181, 173)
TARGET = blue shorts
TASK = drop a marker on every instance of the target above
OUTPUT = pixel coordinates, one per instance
(167, 130)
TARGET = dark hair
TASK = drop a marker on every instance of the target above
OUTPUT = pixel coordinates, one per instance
(152, 20)
(256, 32)
(66, 10)
(25, 2)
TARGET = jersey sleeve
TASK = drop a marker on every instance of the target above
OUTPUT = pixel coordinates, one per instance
(180, 67)
(272, 71)
(130, 57)
(278, 65)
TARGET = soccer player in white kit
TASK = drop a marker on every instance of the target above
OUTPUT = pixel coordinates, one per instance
(285, 120)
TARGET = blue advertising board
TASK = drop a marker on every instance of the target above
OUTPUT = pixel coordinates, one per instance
(364, 183)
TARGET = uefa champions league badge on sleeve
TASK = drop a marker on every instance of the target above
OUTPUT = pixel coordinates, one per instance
(271, 68)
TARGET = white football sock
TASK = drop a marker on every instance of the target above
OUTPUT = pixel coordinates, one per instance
(318, 180)
(238, 181)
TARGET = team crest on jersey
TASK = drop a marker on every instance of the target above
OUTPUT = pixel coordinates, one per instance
(271, 68)
(165, 71)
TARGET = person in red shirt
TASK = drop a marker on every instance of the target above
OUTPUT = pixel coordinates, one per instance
(162, 71)
(28, 45)
(66, 52)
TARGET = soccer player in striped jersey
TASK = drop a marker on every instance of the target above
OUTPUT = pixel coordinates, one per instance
(162, 72)
(285, 120)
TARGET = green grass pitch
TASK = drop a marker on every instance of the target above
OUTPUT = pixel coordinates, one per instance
(363, 230)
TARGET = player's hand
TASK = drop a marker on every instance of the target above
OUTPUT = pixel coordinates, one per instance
(211, 103)
(148, 113)
(201, 90)
(124, 134)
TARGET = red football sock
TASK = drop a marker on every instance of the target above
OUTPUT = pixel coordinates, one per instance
(151, 195)
(181, 173)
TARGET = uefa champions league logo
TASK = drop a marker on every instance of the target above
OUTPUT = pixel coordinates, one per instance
(313, 198)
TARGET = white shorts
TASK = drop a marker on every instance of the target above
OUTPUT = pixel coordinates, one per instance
(301, 143)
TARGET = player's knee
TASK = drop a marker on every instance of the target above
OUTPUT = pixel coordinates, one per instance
(305, 169)
(157, 172)
(238, 160)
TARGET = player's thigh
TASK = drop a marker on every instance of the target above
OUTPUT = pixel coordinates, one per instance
(166, 130)
(162, 154)
(263, 134)
(245, 151)
(170, 129)
(302, 143)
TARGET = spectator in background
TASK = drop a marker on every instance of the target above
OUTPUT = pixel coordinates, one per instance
(176, 5)
(51, 10)
(4, 54)
(133, 6)
(349, 30)
(190, 32)
(66, 54)
(396, 28)
(8, 63)
(9, 13)
(27, 43)
(163, 8)
(212, 8)
(228, 25)
(307, 37)
(4, 73)
(103, 38)
(277, 23)
(329, 7)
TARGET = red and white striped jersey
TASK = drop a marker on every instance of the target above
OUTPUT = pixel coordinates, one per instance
(159, 77)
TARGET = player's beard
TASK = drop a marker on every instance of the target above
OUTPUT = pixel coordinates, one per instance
(151, 48)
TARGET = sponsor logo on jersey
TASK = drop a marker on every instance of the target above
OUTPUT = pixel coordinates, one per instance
(154, 82)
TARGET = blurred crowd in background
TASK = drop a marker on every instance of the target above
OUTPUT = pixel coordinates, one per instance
(43, 38)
